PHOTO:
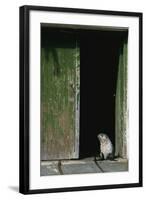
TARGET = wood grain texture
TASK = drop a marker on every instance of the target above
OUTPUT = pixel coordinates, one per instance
(59, 97)
(121, 120)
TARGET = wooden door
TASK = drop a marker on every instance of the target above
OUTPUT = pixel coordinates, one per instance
(60, 78)
(121, 107)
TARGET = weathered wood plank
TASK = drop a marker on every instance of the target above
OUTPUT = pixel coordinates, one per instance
(121, 109)
(59, 91)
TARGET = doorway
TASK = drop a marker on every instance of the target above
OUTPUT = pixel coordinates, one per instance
(83, 91)
(99, 59)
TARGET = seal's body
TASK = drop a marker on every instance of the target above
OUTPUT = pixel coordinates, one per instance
(106, 146)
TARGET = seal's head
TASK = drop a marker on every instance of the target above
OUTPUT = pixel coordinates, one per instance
(103, 138)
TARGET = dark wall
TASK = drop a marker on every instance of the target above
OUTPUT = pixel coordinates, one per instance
(99, 56)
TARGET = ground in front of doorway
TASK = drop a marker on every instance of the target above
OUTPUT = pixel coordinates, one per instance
(82, 166)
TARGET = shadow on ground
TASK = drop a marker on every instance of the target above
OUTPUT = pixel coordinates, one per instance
(14, 188)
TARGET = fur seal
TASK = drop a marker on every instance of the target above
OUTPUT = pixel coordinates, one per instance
(106, 146)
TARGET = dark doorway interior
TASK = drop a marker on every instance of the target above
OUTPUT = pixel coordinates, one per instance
(99, 57)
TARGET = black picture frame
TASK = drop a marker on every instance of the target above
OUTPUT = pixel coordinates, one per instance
(24, 147)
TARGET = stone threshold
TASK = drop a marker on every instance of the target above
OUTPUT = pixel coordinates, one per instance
(82, 166)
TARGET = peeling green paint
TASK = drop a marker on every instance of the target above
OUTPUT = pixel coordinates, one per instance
(121, 109)
(59, 88)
